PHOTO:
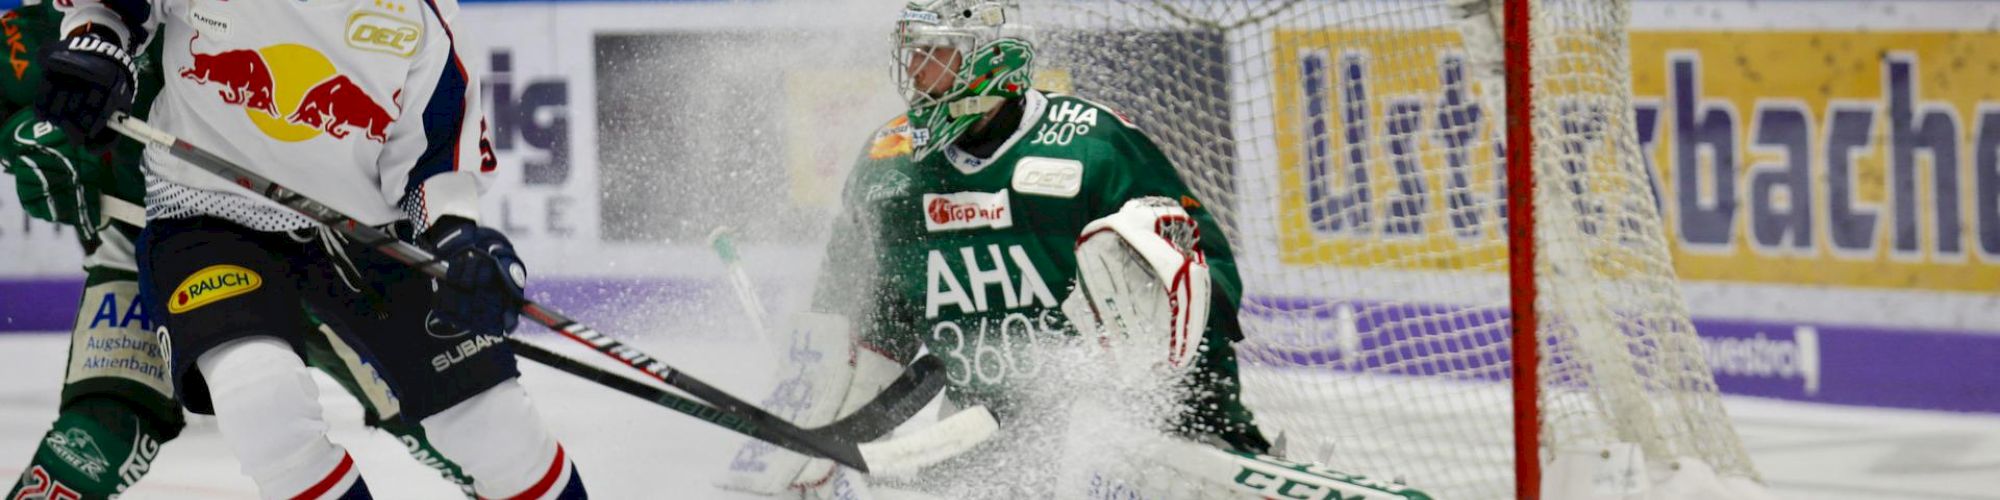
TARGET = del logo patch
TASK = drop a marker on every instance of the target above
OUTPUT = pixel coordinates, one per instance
(1061, 178)
(212, 284)
(967, 210)
(381, 33)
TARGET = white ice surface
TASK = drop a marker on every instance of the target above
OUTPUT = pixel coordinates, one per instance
(630, 449)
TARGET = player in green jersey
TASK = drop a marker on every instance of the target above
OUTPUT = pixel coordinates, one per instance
(971, 206)
(1008, 231)
(960, 236)
(117, 404)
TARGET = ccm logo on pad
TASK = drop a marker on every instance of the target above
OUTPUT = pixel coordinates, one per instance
(967, 210)
(1056, 177)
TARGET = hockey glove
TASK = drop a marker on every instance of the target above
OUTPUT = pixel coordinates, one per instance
(56, 179)
(482, 288)
(85, 78)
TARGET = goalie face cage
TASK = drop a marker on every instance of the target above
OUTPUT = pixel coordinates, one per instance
(1357, 155)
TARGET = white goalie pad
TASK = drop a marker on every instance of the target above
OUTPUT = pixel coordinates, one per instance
(825, 375)
(1142, 282)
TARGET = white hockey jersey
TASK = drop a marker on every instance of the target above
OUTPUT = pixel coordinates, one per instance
(361, 104)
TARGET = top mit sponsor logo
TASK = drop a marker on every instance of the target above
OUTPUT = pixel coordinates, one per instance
(967, 210)
(212, 284)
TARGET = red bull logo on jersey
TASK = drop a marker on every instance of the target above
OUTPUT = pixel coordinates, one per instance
(292, 92)
(244, 78)
(338, 106)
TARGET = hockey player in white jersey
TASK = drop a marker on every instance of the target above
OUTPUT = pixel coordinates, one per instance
(366, 107)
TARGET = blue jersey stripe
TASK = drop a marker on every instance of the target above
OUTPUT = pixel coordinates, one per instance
(444, 117)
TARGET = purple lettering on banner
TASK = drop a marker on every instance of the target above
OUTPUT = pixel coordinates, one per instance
(1898, 368)
(1888, 367)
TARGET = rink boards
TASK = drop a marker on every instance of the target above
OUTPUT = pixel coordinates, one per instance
(1813, 307)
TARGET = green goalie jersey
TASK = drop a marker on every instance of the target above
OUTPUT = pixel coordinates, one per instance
(971, 258)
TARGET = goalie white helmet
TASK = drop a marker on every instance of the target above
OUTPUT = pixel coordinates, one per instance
(954, 61)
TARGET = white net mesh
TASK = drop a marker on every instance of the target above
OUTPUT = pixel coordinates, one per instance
(1348, 153)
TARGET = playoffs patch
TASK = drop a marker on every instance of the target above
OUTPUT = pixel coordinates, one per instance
(212, 284)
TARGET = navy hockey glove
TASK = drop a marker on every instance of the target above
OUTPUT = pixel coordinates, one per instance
(84, 79)
(482, 290)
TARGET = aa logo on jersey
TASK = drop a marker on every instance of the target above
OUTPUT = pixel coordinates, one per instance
(212, 284)
(967, 210)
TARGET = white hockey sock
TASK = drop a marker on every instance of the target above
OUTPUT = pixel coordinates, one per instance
(268, 410)
(498, 439)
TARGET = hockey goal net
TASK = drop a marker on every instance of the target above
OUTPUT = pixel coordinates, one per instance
(1356, 154)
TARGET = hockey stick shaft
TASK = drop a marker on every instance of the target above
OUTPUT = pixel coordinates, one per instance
(423, 261)
(746, 425)
(898, 402)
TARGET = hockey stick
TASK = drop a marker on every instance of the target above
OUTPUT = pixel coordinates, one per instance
(901, 454)
(423, 261)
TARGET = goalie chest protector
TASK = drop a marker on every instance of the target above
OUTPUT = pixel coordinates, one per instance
(976, 255)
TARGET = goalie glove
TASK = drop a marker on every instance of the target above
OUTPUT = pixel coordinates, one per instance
(1142, 283)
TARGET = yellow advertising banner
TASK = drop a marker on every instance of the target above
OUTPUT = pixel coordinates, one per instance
(1799, 157)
